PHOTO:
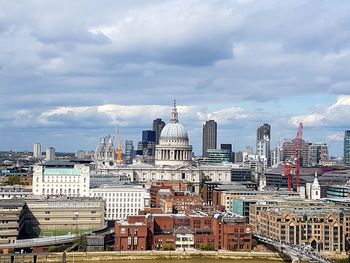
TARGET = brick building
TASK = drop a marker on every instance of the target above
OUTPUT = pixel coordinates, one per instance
(179, 231)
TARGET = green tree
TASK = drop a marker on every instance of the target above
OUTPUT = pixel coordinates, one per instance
(13, 180)
(206, 247)
(168, 247)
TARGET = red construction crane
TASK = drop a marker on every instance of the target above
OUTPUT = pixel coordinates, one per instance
(294, 161)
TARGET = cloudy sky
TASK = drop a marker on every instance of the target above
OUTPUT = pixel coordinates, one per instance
(74, 71)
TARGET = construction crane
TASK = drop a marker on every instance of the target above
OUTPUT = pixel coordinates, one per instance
(119, 155)
(292, 166)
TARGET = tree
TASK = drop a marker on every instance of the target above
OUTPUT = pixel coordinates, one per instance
(206, 247)
(168, 247)
(13, 180)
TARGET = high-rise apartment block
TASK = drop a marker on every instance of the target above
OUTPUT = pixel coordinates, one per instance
(37, 150)
(158, 126)
(50, 154)
(347, 147)
(263, 139)
(209, 136)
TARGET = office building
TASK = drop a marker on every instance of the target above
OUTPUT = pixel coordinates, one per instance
(37, 150)
(61, 178)
(288, 151)
(238, 157)
(148, 136)
(209, 136)
(122, 200)
(129, 152)
(248, 150)
(50, 154)
(158, 126)
(317, 154)
(228, 146)
(347, 148)
(263, 139)
(216, 156)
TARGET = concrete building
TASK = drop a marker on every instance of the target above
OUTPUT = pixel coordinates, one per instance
(122, 200)
(14, 191)
(158, 126)
(50, 154)
(263, 139)
(317, 154)
(347, 148)
(61, 178)
(323, 226)
(10, 223)
(129, 152)
(238, 157)
(209, 136)
(61, 215)
(288, 151)
(37, 150)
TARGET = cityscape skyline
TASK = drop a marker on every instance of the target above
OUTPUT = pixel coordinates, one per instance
(222, 60)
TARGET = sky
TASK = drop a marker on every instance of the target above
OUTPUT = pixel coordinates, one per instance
(72, 72)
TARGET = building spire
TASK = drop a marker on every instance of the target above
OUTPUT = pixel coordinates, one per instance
(174, 114)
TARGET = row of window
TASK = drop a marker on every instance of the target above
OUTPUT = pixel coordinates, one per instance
(116, 194)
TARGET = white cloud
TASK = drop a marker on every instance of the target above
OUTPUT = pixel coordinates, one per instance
(335, 115)
(113, 115)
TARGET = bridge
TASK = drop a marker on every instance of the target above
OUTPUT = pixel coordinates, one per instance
(41, 241)
(294, 251)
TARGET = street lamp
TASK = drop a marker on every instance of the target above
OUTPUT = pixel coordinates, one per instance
(76, 216)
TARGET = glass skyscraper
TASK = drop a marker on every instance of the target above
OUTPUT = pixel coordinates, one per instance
(347, 147)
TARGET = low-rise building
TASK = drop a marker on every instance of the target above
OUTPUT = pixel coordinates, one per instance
(14, 191)
(179, 231)
(61, 215)
(10, 220)
(321, 225)
(122, 200)
(61, 178)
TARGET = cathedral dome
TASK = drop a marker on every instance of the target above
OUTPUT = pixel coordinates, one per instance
(173, 147)
(174, 130)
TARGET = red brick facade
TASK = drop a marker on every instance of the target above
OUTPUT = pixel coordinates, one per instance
(160, 230)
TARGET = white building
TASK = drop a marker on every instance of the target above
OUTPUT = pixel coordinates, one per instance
(122, 200)
(50, 154)
(37, 150)
(14, 191)
(313, 190)
(173, 161)
(61, 178)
